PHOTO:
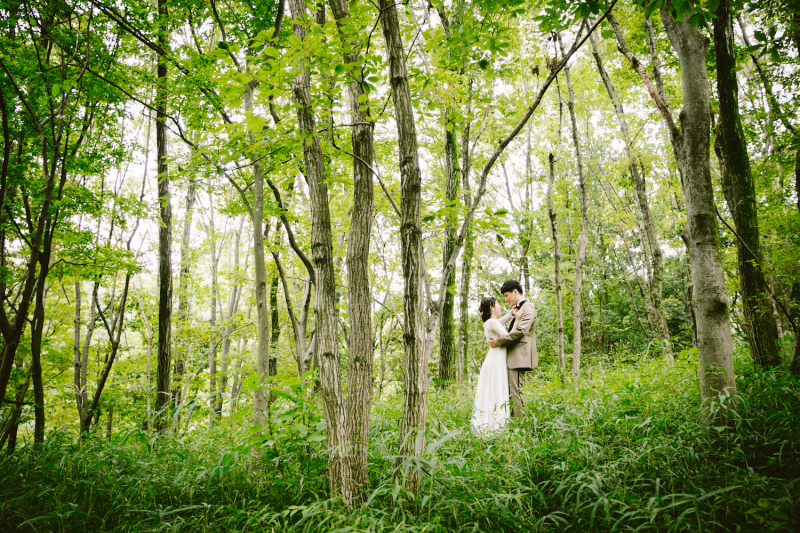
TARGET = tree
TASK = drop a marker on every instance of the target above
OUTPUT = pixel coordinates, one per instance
(164, 365)
(584, 236)
(740, 194)
(691, 146)
(657, 255)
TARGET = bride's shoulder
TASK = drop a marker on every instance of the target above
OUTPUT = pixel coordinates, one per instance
(491, 324)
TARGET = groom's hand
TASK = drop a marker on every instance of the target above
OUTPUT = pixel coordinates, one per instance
(493, 342)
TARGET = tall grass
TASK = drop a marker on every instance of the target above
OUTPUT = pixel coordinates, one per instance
(620, 451)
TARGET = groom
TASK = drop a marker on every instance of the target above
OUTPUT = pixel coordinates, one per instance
(520, 341)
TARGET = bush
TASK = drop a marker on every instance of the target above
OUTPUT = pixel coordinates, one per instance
(622, 450)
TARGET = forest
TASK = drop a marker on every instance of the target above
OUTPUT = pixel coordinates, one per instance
(243, 246)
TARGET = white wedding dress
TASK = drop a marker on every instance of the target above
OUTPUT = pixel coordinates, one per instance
(491, 411)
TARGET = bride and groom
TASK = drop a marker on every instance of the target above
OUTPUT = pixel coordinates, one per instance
(512, 352)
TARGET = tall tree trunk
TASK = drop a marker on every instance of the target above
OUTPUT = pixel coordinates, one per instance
(79, 372)
(415, 391)
(739, 189)
(584, 235)
(556, 264)
(691, 148)
(358, 289)
(36, 350)
(341, 476)
(276, 327)
(469, 249)
(794, 362)
(164, 365)
(657, 256)
(447, 348)
(232, 308)
(183, 289)
(212, 321)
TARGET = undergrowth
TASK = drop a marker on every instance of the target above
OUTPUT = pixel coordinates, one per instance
(623, 450)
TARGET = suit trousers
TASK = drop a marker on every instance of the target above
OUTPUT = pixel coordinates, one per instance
(515, 381)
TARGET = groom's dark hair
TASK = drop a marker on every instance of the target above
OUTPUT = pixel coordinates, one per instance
(510, 285)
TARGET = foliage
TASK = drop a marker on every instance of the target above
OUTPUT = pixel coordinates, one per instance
(620, 451)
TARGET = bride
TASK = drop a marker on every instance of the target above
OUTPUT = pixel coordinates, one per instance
(490, 411)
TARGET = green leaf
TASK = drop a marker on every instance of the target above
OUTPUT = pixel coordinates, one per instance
(652, 6)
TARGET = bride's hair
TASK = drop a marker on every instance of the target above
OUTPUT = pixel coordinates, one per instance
(486, 307)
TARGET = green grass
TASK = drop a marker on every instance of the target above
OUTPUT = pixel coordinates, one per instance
(621, 451)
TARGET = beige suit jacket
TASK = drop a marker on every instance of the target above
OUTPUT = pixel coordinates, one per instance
(520, 342)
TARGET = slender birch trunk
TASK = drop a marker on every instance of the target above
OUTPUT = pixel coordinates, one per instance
(466, 260)
(212, 321)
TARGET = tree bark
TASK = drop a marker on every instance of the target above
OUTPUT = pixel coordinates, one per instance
(739, 189)
(36, 348)
(340, 472)
(657, 257)
(584, 235)
(358, 241)
(415, 391)
(556, 264)
(469, 250)
(212, 321)
(691, 147)
(183, 289)
(276, 328)
(714, 341)
(447, 348)
(164, 365)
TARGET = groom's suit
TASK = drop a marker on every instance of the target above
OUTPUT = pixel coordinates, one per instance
(521, 356)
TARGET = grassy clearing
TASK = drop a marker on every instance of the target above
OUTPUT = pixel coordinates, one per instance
(621, 451)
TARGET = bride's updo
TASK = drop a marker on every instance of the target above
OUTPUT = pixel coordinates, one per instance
(486, 307)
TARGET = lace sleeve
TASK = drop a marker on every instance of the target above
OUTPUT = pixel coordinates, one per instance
(495, 328)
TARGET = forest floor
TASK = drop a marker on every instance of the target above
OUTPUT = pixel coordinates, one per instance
(622, 450)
